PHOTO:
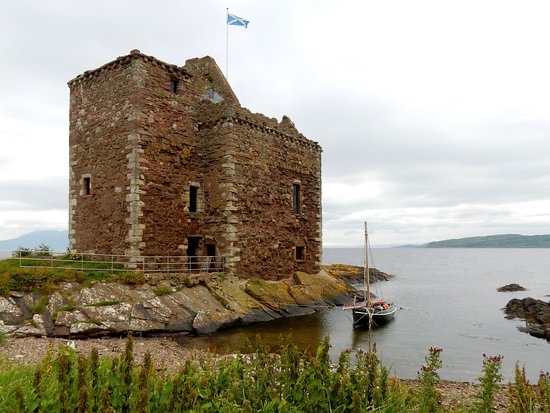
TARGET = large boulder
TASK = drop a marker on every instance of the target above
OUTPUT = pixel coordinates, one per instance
(276, 295)
(10, 311)
(232, 295)
(536, 314)
(319, 288)
(210, 314)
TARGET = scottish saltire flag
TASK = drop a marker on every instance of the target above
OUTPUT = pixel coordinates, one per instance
(236, 21)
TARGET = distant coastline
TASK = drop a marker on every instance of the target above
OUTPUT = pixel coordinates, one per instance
(492, 241)
(58, 241)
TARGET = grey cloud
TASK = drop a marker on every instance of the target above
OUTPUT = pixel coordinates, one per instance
(423, 160)
(34, 195)
(423, 165)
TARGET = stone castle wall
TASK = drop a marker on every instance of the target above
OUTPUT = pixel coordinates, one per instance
(145, 143)
(262, 165)
(101, 121)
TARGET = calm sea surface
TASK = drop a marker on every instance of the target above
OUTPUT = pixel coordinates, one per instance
(449, 300)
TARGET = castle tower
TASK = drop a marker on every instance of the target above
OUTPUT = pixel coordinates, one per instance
(165, 161)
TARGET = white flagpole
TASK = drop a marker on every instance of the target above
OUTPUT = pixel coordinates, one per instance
(226, 44)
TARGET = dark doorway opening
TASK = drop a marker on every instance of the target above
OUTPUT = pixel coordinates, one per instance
(211, 250)
(193, 251)
(211, 259)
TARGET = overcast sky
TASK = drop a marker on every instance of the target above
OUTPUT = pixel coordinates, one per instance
(433, 115)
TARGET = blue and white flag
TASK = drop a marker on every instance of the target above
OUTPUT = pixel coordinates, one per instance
(236, 21)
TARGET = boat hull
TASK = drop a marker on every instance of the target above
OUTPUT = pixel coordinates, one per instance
(370, 317)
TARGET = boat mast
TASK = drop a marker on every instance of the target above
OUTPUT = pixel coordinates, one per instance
(366, 275)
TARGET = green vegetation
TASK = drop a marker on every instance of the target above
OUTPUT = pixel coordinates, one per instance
(39, 306)
(104, 303)
(45, 280)
(162, 290)
(428, 378)
(256, 382)
(495, 241)
(92, 321)
(40, 251)
(2, 338)
(70, 307)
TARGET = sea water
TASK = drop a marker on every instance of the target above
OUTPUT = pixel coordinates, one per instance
(449, 299)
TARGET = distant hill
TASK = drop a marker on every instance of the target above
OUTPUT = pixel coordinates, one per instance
(56, 240)
(494, 241)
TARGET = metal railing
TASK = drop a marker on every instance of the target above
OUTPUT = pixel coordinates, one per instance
(121, 263)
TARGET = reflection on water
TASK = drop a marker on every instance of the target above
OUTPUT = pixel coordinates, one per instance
(305, 331)
(450, 300)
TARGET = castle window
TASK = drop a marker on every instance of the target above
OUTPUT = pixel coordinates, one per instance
(86, 185)
(300, 253)
(296, 199)
(193, 198)
(174, 83)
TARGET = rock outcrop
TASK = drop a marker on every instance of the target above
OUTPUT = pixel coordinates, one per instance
(352, 275)
(511, 288)
(103, 309)
(536, 314)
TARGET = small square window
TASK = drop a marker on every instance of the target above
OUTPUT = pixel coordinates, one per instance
(174, 83)
(300, 253)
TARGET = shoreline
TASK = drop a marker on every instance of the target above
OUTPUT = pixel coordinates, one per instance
(169, 357)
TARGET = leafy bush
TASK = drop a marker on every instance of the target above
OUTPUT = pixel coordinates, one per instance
(22, 252)
(526, 398)
(488, 380)
(428, 378)
(41, 251)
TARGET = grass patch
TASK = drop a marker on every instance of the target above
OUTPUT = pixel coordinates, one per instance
(2, 338)
(162, 290)
(39, 307)
(69, 307)
(104, 303)
(92, 321)
(46, 280)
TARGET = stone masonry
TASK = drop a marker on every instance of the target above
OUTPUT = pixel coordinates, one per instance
(165, 161)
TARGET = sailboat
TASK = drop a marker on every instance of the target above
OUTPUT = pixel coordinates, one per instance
(370, 313)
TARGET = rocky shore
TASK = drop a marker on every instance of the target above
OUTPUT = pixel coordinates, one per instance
(87, 317)
(175, 304)
(536, 314)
